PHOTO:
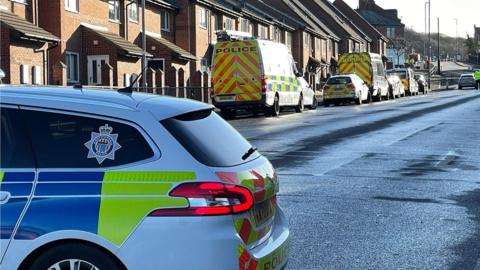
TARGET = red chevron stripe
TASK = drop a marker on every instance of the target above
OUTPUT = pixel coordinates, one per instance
(245, 230)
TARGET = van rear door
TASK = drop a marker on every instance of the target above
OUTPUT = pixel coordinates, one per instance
(236, 71)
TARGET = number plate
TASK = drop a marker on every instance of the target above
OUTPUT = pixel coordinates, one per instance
(262, 212)
(226, 98)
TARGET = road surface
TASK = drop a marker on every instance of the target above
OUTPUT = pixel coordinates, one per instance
(391, 185)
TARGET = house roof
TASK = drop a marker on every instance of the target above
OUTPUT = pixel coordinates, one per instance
(273, 15)
(354, 15)
(309, 18)
(374, 18)
(125, 46)
(177, 51)
(336, 16)
(26, 28)
(222, 5)
(170, 4)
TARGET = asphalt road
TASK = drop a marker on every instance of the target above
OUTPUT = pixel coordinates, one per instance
(390, 185)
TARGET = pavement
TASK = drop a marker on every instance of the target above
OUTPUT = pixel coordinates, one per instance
(389, 185)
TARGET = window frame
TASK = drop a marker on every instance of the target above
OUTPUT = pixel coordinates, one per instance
(202, 19)
(137, 10)
(67, 53)
(77, 6)
(244, 22)
(228, 21)
(23, 2)
(116, 8)
(157, 154)
(165, 15)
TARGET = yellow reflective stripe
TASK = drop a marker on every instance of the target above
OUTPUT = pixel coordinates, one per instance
(248, 62)
(139, 176)
(127, 197)
(1, 176)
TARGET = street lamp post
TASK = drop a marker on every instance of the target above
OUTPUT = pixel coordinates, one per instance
(428, 41)
(144, 49)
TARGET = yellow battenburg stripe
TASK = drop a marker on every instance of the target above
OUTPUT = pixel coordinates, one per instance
(1, 176)
(127, 197)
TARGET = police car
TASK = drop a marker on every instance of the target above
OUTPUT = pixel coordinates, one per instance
(96, 179)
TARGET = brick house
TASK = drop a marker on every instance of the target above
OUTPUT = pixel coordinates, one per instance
(101, 41)
(24, 46)
(325, 12)
(326, 48)
(386, 21)
(379, 41)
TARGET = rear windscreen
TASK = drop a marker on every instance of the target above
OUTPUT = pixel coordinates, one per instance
(339, 80)
(210, 139)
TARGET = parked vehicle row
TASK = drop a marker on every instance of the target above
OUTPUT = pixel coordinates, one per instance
(261, 76)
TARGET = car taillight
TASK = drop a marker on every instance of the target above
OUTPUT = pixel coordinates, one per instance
(351, 86)
(209, 199)
(326, 87)
(264, 85)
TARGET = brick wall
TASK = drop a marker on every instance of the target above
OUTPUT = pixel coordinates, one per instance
(23, 53)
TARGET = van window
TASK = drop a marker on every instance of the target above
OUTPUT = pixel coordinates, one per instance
(16, 151)
(380, 69)
(275, 59)
(339, 80)
(209, 139)
(70, 141)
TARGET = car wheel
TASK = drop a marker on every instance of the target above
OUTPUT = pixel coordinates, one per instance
(73, 256)
(379, 96)
(392, 95)
(300, 107)
(275, 109)
(314, 103)
(326, 103)
(459, 87)
(369, 97)
(359, 100)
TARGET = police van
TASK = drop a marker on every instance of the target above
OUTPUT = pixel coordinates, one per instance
(95, 179)
(255, 74)
(369, 67)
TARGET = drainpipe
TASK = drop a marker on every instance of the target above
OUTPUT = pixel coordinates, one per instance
(46, 74)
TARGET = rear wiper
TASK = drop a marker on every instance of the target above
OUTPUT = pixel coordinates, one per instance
(249, 153)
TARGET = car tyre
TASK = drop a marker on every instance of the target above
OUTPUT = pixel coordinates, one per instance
(369, 97)
(300, 107)
(275, 109)
(314, 104)
(84, 256)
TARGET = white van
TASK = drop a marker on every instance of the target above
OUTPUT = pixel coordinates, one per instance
(255, 74)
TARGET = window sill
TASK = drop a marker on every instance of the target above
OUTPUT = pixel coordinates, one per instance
(25, 3)
(114, 21)
(166, 30)
(203, 27)
(133, 21)
(72, 11)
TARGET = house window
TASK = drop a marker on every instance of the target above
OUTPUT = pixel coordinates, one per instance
(203, 18)
(72, 67)
(289, 40)
(229, 25)
(204, 66)
(262, 32)
(276, 34)
(165, 21)
(70, 5)
(133, 11)
(244, 25)
(114, 10)
(390, 32)
(20, 1)
(317, 45)
(306, 40)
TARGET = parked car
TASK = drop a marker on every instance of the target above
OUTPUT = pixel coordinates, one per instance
(254, 74)
(466, 80)
(97, 179)
(396, 87)
(369, 67)
(422, 83)
(310, 97)
(408, 79)
(345, 89)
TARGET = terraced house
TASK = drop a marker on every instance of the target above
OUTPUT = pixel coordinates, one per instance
(25, 47)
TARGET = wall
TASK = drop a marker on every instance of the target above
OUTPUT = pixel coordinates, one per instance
(22, 52)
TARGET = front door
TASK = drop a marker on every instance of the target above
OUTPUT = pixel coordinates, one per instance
(95, 64)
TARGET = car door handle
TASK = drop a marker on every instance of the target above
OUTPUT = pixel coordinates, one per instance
(4, 197)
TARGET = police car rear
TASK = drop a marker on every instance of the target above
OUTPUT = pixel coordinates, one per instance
(132, 181)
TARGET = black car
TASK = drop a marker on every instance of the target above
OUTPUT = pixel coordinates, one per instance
(466, 80)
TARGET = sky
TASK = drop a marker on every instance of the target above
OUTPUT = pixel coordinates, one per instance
(412, 13)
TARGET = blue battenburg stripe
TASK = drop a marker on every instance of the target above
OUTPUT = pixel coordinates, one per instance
(63, 189)
(45, 215)
(18, 177)
(9, 214)
(70, 177)
(17, 189)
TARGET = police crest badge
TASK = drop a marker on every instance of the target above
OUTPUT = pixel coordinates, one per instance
(103, 145)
